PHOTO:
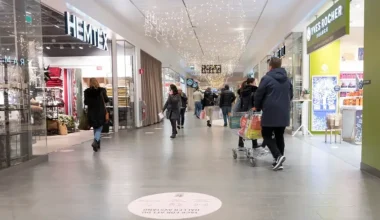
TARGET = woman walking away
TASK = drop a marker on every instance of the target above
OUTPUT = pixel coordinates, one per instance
(96, 98)
(173, 106)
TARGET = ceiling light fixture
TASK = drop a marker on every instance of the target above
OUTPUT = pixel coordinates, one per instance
(61, 47)
(47, 47)
(56, 26)
(80, 47)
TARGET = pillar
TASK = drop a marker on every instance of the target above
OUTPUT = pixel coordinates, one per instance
(371, 119)
(115, 80)
(138, 91)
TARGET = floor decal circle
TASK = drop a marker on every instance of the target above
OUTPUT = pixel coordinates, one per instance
(175, 205)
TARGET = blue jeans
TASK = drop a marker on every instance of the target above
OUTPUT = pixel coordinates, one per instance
(198, 108)
(98, 133)
(226, 110)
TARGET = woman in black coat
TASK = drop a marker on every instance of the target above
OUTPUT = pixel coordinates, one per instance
(96, 98)
(173, 106)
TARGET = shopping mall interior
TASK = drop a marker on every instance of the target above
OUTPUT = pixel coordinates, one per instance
(140, 162)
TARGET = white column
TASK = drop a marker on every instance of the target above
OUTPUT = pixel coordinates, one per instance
(305, 81)
(138, 91)
(115, 85)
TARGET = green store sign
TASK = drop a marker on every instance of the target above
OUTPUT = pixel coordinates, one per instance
(331, 25)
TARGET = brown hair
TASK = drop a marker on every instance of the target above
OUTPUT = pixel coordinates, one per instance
(275, 62)
(94, 83)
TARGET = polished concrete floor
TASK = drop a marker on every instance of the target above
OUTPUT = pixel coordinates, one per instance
(79, 184)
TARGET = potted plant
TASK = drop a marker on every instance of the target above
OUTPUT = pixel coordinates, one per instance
(306, 93)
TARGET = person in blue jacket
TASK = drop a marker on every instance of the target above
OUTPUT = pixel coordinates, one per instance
(274, 97)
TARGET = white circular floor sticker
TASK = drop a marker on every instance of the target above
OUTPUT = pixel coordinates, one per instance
(176, 205)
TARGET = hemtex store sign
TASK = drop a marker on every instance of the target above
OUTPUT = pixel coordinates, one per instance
(85, 32)
(330, 26)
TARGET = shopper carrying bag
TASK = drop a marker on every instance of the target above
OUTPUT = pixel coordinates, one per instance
(173, 107)
(96, 98)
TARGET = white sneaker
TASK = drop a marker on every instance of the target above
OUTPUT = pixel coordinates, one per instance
(279, 163)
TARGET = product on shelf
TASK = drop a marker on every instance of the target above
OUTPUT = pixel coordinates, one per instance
(354, 98)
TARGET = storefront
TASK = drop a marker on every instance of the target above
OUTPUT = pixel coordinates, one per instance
(292, 56)
(169, 77)
(21, 70)
(335, 42)
(44, 75)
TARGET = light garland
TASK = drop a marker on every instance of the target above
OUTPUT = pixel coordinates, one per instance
(210, 20)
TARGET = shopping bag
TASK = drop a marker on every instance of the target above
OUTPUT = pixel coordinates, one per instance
(234, 122)
(254, 129)
(203, 114)
(161, 116)
(62, 129)
(243, 126)
(216, 113)
(256, 122)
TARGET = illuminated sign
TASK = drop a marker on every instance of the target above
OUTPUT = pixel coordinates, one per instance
(211, 69)
(85, 32)
(331, 25)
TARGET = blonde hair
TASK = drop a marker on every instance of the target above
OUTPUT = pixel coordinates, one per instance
(94, 83)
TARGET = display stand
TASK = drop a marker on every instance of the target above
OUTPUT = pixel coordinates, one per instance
(303, 127)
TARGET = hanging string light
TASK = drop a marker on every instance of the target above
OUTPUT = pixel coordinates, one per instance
(210, 20)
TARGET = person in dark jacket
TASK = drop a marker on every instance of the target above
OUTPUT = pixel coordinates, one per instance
(227, 97)
(273, 97)
(181, 121)
(208, 103)
(96, 98)
(173, 106)
(247, 100)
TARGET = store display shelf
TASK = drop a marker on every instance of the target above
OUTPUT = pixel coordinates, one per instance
(352, 107)
(119, 106)
(14, 109)
(13, 86)
(119, 96)
(351, 97)
(49, 88)
(347, 89)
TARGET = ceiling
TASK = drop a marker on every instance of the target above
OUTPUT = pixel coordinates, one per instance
(237, 33)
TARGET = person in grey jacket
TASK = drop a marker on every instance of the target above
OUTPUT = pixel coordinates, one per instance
(273, 97)
(173, 106)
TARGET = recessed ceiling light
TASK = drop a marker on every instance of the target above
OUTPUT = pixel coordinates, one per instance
(81, 47)
(48, 47)
(72, 47)
(56, 26)
(8, 49)
(61, 47)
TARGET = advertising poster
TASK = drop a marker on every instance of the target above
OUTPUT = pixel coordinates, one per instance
(324, 100)
(348, 82)
(358, 126)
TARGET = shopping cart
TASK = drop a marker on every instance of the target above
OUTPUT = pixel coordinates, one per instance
(240, 122)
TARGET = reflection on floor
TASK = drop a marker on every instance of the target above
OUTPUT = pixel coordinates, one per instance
(58, 142)
(78, 184)
(350, 153)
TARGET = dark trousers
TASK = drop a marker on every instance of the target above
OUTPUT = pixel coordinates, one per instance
(181, 120)
(173, 122)
(276, 145)
(254, 143)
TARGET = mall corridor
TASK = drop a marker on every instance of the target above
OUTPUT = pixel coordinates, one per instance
(78, 184)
